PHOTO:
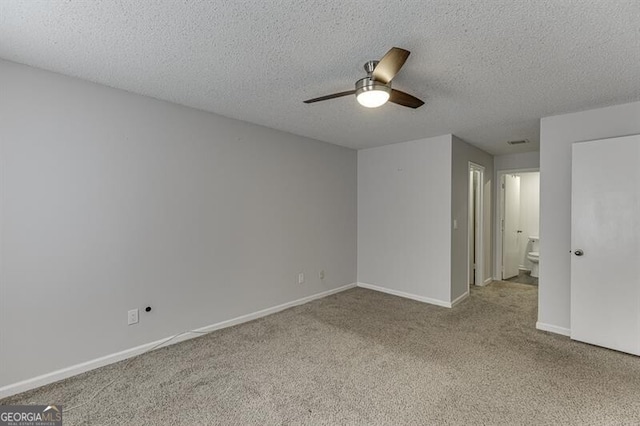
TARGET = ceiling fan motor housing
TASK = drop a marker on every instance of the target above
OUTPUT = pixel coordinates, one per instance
(367, 84)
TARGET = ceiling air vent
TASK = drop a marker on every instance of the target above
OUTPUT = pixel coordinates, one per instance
(520, 142)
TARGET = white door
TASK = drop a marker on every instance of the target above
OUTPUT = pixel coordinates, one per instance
(605, 233)
(510, 224)
(475, 231)
(471, 228)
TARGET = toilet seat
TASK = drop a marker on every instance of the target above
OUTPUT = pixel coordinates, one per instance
(534, 256)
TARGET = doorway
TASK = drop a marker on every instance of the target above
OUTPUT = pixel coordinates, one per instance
(518, 228)
(475, 226)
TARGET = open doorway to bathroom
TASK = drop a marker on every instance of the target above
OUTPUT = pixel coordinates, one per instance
(518, 238)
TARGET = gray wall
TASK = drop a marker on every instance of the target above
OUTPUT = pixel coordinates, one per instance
(404, 217)
(462, 154)
(557, 134)
(111, 201)
(520, 160)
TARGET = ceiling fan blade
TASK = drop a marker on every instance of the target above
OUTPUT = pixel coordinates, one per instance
(390, 64)
(332, 96)
(405, 99)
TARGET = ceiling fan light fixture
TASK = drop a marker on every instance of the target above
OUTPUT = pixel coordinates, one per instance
(372, 94)
(373, 98)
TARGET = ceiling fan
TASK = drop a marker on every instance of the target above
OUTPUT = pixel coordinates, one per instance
(375, 89)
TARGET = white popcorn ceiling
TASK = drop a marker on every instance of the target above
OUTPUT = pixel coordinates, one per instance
(488, 70)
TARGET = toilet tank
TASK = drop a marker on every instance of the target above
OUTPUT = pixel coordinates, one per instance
(535, 243)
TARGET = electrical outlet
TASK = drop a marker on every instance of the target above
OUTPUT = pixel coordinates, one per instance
(132, 317)
(321, 275)
(301, 278)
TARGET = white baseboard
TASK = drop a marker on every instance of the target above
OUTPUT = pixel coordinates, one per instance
(45, 379)
(483, 283)
(459, 299)
(406, 295)
(553, 329)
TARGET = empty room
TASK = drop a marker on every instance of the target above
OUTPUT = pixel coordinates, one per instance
(319, 213)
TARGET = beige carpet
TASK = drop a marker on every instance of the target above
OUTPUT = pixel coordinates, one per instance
(367, 358)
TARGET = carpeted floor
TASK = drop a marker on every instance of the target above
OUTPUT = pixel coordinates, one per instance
(367, 358)
(524, 278)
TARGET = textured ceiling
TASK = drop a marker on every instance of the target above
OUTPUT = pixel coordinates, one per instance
(488, 70)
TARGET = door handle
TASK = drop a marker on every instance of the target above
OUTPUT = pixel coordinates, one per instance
(578, 252)
(519, 231)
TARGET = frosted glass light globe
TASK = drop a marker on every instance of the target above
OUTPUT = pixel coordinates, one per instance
(373, 98)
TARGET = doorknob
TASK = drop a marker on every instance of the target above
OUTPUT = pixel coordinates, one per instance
(578, 252)
(519, 231)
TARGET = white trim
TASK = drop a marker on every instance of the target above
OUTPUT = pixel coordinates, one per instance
(553, 329)
(479, 218)
(25, 385)
(406, 295)
(459, 299)
(487, 281)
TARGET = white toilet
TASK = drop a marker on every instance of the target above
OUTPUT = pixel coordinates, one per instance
(534, 256)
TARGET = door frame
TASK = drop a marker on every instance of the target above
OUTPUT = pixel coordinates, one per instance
(479, 218)
(500, 216)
